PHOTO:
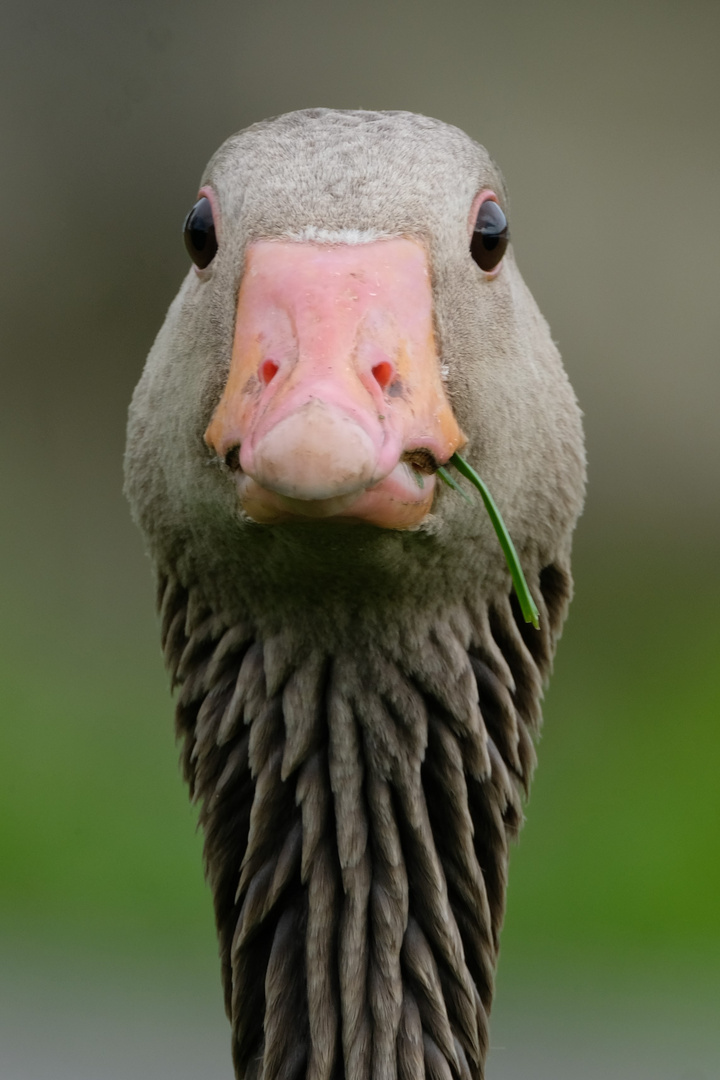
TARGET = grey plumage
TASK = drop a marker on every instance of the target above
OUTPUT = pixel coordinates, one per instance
(357, 706)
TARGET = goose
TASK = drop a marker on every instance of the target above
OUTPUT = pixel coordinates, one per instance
(358, 693)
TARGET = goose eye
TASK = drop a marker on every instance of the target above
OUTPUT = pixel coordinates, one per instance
(199, 233)
(490, 236)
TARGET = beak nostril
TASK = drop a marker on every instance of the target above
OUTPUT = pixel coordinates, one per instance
(384, 373)
(268, 371)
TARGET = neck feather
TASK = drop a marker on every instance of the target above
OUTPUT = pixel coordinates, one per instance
(357, 804)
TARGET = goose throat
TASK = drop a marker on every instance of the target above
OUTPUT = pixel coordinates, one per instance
(357, 808)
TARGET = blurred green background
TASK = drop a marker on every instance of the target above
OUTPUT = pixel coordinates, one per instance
(604, 119)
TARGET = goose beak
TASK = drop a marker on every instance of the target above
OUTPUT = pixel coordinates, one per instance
(334, 404)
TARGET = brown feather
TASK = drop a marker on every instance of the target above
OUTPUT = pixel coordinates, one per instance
(382, 880)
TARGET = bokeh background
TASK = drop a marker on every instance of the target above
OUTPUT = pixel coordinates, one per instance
(604, 118)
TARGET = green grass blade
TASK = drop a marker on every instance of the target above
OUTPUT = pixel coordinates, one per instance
(448, 479)
(527, 604)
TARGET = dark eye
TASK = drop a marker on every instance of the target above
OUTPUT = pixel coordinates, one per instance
(199, 233)
(490, 236)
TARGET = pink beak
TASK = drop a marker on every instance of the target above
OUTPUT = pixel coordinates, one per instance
(334, 404)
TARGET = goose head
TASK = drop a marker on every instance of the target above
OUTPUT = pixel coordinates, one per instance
(341, 626)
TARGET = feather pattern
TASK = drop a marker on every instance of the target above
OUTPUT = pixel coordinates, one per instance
(357, 817)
